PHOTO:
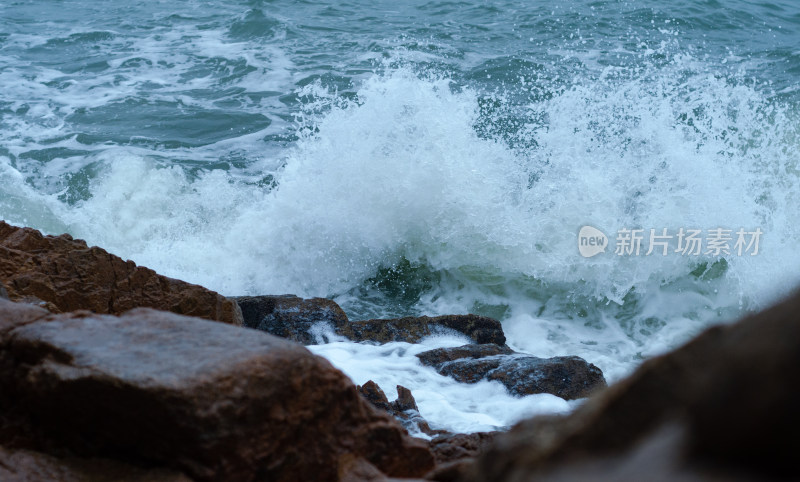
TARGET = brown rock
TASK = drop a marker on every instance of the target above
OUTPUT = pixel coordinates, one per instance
(30, 466)
(355, 469)
(455, 452)
(458, 446)
(374, 395)
(70, 276)
(13, 315)
(404, 409)
(440, 356)
(405, 400)
(411, 330)
(723, 407)
(216, 402)
(290, 317)
(566, 377)
(294, 318)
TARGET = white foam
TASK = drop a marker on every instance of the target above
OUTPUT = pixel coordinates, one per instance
(443, 402)
(402, 173)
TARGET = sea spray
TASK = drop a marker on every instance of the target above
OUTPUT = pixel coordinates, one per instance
(407, 170)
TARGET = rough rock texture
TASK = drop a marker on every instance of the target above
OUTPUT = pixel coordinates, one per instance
(405, 400)
(13, 315)
(297, 319)
(567, 377)
(404, 409)
(480, 328)
(213, 401)
(724, 406)
(448, 448)
(290, 317)
(440, 356)
(30, 466)
(64, 274)
(454, 451)
(375, 395)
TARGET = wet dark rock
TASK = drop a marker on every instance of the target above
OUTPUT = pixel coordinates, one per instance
(566, 377)
(412, 329)
(469, 371)
(300, 320)
(375, 395)
(32, 300)
(722, 407)
(216, 402)
(291, 317)
(439, 356)
(404, 409)
(31, 466)
(64, 274)
(454, 453)
(453, 447)
(14, 315)
(405, 400)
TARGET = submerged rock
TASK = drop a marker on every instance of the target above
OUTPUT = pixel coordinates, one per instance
(566, 377)
(299, 319)
(64, 274)
(291, 317)
(439, 356)
(412, 329)
(212, 401)
(722, 407)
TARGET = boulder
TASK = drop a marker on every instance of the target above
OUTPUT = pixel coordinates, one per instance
(291, 317)
(440, 356)
(64, 274)
(568, 377)
(412, 329)
(299, 319)
(213, 401)
(454, 447)
(721, 407)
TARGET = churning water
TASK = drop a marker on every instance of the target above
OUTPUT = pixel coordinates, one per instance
(420, 157)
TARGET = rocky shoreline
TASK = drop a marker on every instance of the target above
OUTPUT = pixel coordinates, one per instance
(109, 371)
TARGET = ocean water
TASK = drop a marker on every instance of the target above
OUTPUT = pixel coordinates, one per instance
(421, 157)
